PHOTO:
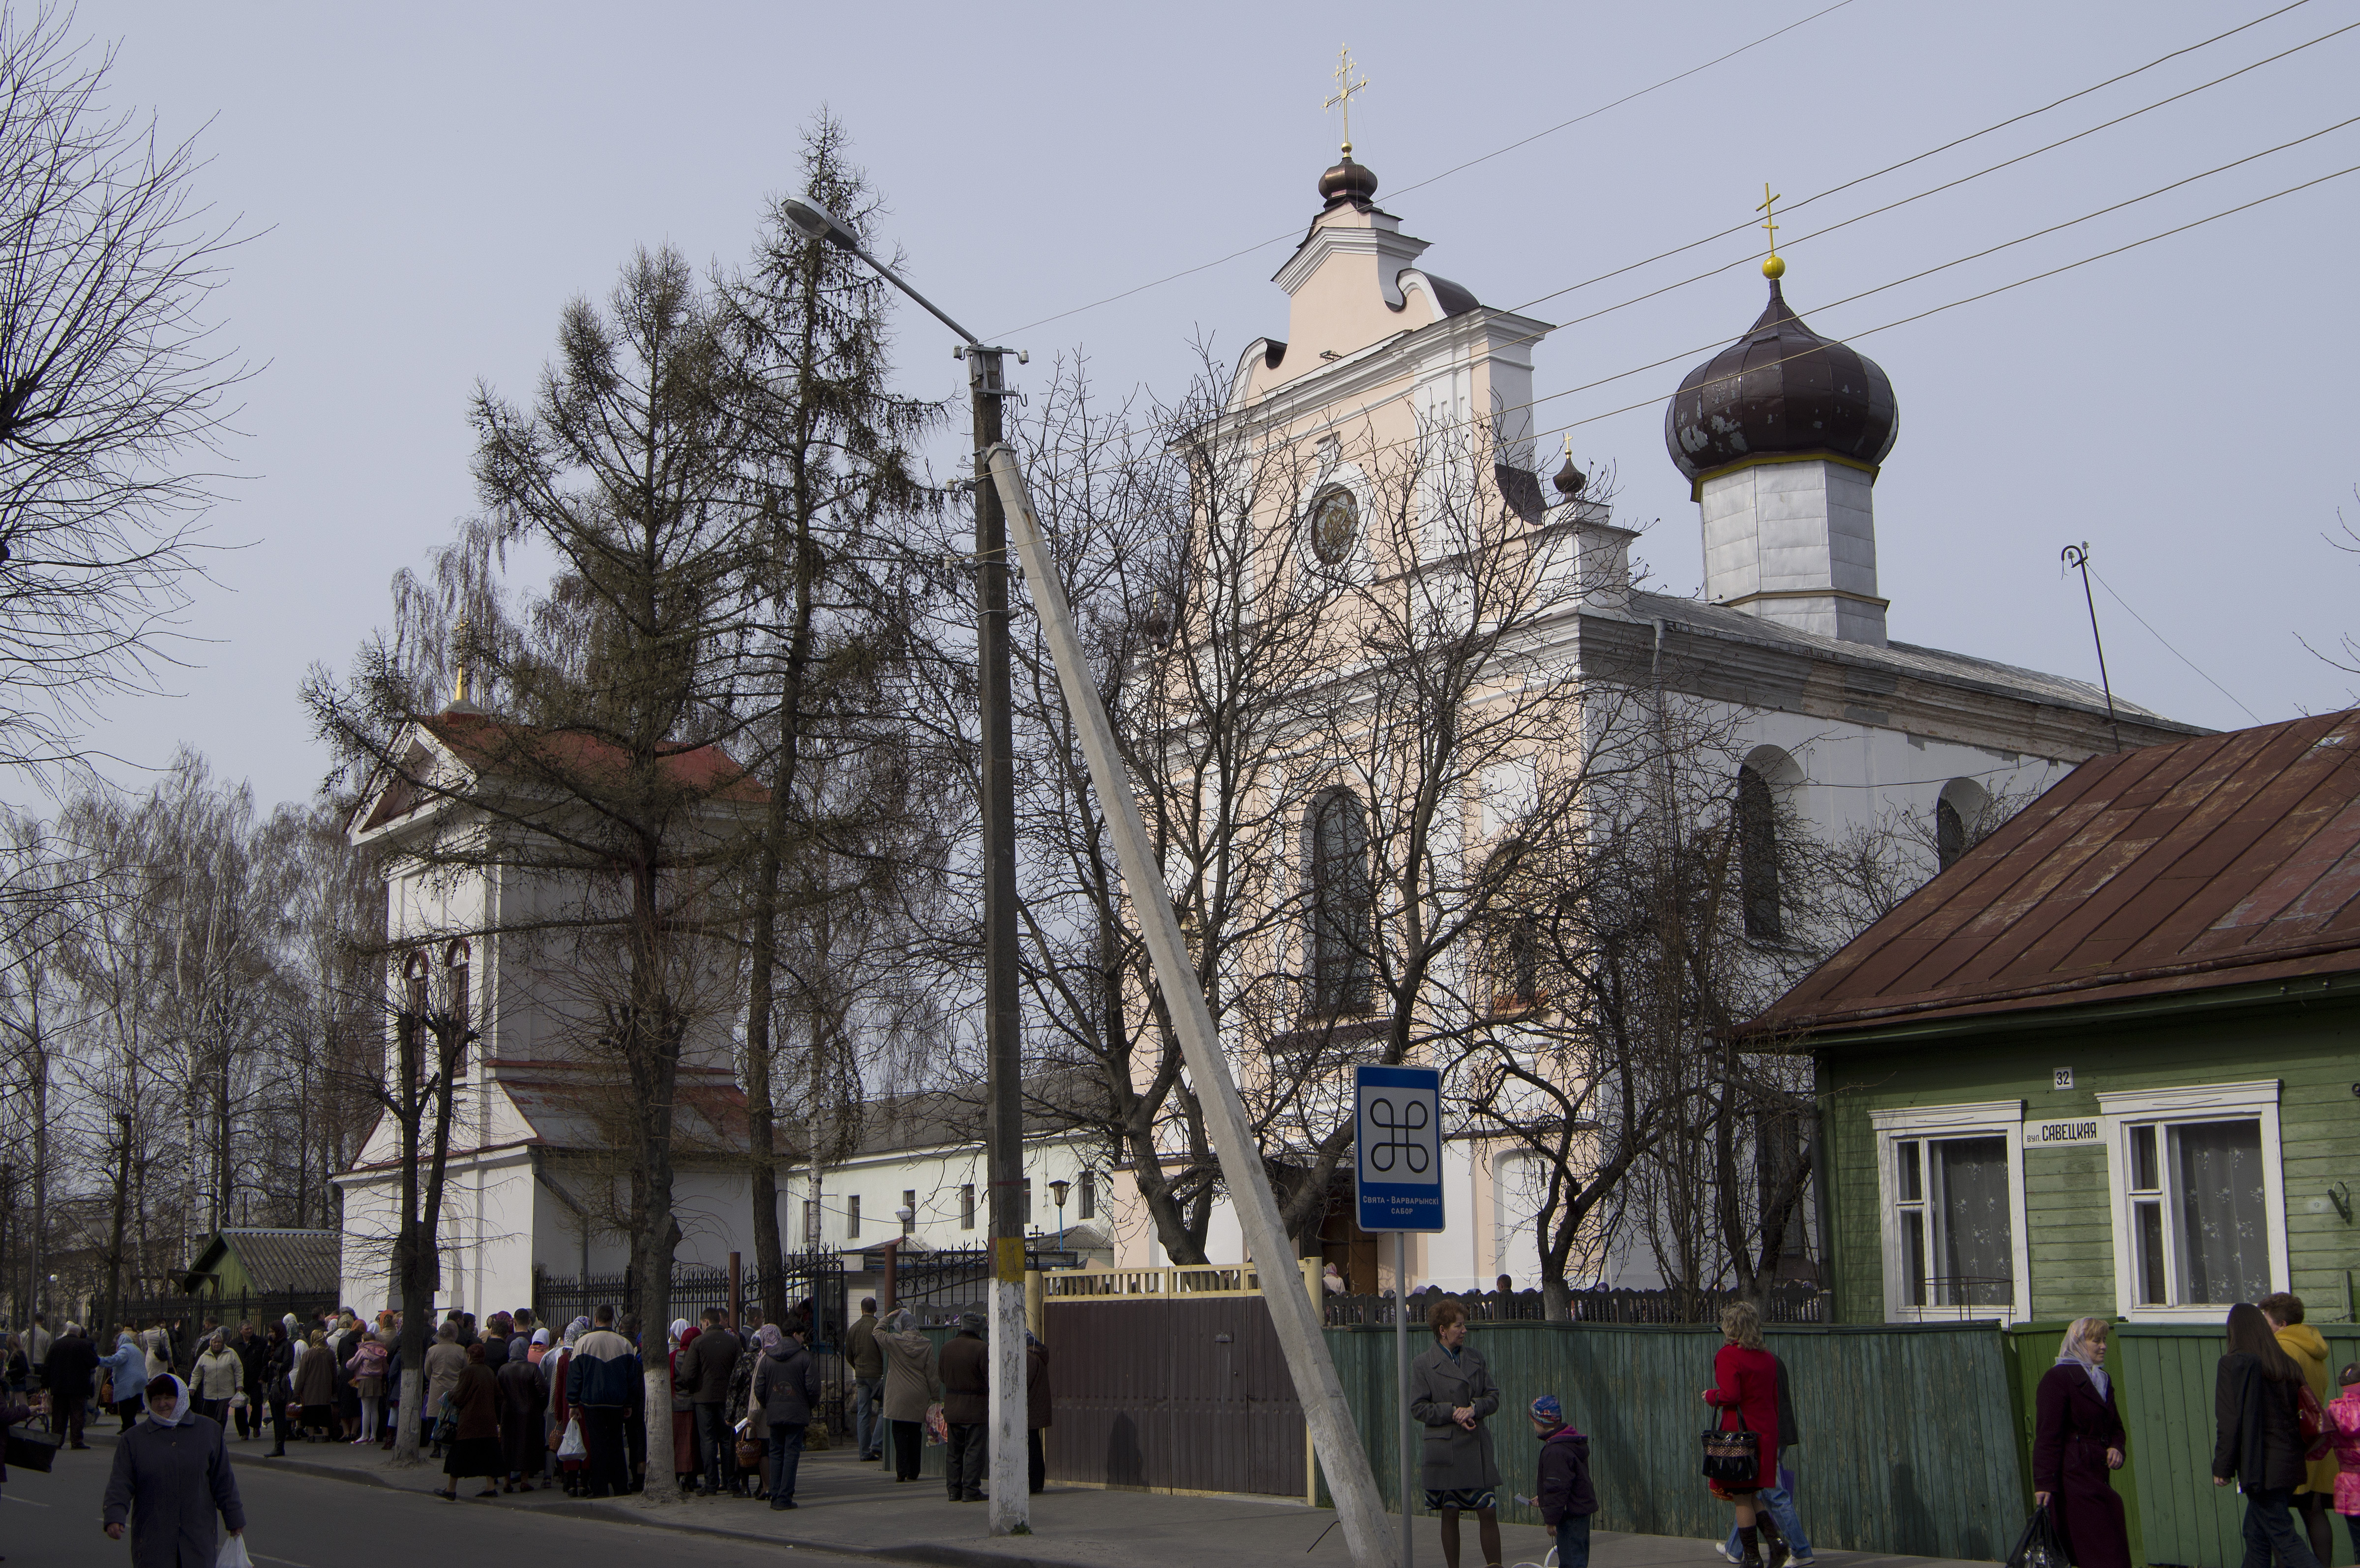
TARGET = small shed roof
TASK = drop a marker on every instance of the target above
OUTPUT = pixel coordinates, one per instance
(306, 1260)
(2222, 861)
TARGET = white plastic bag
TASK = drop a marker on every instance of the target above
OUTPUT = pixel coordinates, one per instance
(572, 1447)
(234, 1554)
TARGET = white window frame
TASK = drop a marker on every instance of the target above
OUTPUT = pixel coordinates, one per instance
(1986, 1118)
(2120, 1110)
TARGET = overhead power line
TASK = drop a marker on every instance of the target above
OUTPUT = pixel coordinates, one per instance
(2175, 653)
(1653, 87)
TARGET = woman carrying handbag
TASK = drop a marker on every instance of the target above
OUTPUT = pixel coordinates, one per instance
(1746, 1388)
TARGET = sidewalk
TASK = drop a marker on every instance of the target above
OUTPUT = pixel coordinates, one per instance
(850, 1508)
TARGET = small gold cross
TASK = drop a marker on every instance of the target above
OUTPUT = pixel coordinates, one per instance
(1344, 88)
(1772, 267)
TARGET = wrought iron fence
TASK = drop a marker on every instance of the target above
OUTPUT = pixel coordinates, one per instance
(940, 1286)
(201, 1312)
(810, 1283)
(1789, 1301)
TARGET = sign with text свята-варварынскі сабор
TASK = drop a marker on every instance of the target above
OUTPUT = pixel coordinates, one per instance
(1397, 1148)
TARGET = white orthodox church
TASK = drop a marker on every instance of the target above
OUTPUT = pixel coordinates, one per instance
(1782, 435)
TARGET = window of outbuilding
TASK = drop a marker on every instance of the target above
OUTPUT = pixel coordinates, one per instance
(852, 1217)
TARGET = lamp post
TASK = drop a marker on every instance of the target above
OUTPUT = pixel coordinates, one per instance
(1057, 1191)
(1004, 1126)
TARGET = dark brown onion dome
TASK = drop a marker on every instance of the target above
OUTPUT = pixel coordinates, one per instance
(1349, 181)
(1781, 389)
(1571, 481)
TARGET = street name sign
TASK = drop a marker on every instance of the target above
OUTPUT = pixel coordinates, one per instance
(1397, 1148)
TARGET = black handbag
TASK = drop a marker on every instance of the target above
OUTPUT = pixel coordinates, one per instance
(1734, 1458)
(33, 1450)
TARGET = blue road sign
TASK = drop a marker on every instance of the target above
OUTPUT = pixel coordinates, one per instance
(1397, 1148)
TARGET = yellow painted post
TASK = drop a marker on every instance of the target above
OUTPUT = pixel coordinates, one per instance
(1032, 1294)
(1315, 1288)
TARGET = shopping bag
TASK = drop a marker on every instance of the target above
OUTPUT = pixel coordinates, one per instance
(32, 1450)
(572, 1447)
(1733, 1458)
(234, 1554)
(937, 1429)
(2038, 1547)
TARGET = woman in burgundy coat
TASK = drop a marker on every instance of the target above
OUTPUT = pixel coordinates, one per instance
(1747, 1379)
(2077, 1438)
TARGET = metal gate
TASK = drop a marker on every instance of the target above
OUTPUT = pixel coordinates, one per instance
(1170, 1390)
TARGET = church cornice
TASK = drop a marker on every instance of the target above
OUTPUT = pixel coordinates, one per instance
(1418, 355)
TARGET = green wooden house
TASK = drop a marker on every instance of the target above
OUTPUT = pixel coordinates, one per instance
(255, 1261)
(2108, 1062)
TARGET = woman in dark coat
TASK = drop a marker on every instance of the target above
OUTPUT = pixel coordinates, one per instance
(2077, 1438)
(315, 1385)
(1746, 1380)
(475, 1443)
(524, 1394)
(171, 1477)
(2258, 1437)
(1452, 1394)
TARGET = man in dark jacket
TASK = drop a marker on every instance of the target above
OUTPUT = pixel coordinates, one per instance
(705, 1369)
(965, 1371)
(602, 1376)
(1036, 1412)
(248, 1347)
(66, 1373)
(1563, 1492)
(786, 1386)
(867, 1359)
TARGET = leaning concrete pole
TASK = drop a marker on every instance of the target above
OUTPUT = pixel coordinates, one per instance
(1333, 1437)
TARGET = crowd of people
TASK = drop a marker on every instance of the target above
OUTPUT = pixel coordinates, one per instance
(517, 1407)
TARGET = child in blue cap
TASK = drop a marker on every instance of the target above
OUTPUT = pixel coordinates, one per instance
(1563, 1492)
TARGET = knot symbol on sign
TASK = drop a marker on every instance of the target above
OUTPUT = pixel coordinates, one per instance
(1400, 1128)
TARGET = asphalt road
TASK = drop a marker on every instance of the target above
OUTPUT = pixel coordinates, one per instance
(305, 1521)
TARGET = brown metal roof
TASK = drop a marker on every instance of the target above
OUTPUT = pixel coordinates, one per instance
(2222, 861)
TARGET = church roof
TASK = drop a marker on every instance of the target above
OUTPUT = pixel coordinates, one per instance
(570, 1107)
(2225, 860)
(496, 746)
(1898, 658)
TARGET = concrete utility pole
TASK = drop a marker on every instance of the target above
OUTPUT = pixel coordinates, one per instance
(1010, 1506)
(1334, 1437)
(1010, 1494)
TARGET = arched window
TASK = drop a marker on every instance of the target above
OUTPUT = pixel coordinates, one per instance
(456, 996)
(1757, 854)
(1959, 819)
(1342, 906)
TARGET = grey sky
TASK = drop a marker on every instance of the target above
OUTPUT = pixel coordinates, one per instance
(436, 182)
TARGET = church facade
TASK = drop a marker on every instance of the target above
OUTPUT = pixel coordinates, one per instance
(1396, 391)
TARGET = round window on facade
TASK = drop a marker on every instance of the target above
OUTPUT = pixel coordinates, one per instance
(1335, 523)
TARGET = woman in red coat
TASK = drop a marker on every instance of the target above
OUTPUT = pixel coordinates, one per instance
(2076, 1440)
(1746, 1378)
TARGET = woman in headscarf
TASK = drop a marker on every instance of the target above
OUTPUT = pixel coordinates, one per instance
(126, 1373)
(171, 1479)
(560, 1412)
(539, 1348)
(523, 1398)
(475, 1443)
(218, 1371)
(683, 1409)
(908, 1388)
(315, 1388)
(2077, 1437)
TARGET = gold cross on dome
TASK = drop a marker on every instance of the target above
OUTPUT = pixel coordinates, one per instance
(1772, 267)
(1344, 88)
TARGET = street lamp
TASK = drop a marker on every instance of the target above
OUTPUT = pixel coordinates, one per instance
(1004, 1114)
(1057, 1191)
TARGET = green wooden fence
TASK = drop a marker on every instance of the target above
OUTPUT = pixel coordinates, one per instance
(1909, 1443)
